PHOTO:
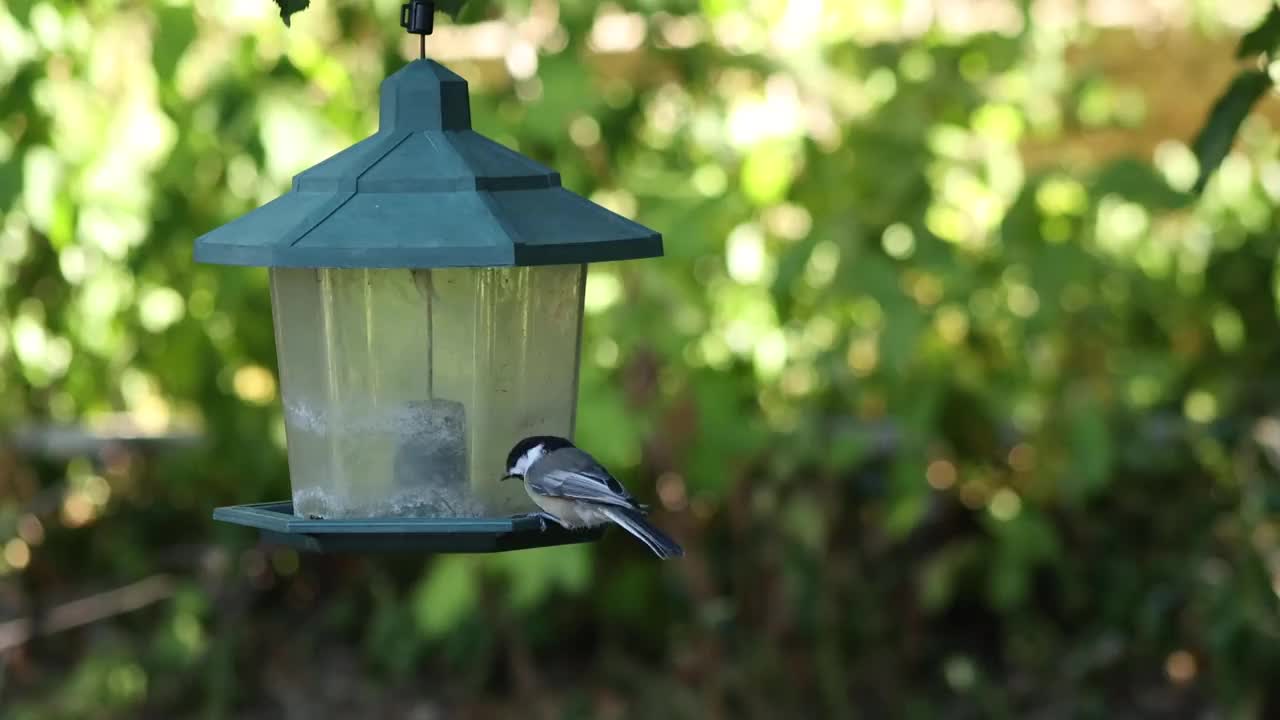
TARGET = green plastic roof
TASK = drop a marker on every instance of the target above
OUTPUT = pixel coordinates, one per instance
(426, 191)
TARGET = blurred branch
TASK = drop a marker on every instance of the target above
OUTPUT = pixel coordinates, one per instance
(64, 442)
(88, 610)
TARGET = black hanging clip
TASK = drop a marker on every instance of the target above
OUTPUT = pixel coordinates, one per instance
(418, 16)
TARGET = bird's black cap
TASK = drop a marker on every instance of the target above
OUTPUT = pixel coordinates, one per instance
(550, 443)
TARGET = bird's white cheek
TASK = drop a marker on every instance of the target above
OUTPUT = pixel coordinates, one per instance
(526, 461)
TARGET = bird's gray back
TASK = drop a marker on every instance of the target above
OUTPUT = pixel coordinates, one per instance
(572, 473)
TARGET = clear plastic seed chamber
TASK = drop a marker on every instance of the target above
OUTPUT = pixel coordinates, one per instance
(404, 389)
(426, 289)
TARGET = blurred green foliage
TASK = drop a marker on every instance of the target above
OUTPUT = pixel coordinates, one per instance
(959, 411)
(1250, 85)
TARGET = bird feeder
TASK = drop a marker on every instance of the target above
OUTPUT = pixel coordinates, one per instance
(427, 295)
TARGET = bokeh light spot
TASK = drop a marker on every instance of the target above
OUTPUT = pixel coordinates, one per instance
(941, 474)
(1005, 504)
(17, 553)
(1200, 406)
(898, 241)
(254, 384)
(1180, 666)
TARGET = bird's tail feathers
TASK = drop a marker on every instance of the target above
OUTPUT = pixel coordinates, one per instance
(634, 522)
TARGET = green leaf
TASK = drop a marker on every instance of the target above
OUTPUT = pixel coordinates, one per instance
(941, 575)
(1219, 132)
(1140, 182)
(727, 435)
(533, 575)
(1275, 281)
(177, 33)
(289, 7)
(1023, 544)
(1007, 584)
(446, 595)
(1089, 441)
(20, 10)
(767, 173)
(906, 510)
(606, 426)
(1262, 39)
(385, 636)
(10, 181)
(805, 520)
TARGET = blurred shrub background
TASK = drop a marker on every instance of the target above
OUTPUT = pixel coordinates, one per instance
(961, 403)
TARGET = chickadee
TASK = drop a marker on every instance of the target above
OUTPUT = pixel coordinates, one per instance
(577, 492)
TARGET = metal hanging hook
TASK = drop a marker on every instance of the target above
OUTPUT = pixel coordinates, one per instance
(418, 18)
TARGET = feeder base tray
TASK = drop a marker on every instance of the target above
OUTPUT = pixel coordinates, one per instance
(277, 524)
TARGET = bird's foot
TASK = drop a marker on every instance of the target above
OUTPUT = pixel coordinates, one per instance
(545, 520)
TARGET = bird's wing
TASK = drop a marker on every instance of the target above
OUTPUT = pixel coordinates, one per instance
(580, 478)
